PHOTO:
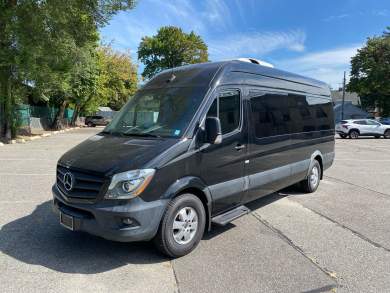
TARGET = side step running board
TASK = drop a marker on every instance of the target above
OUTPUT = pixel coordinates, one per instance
(231, 215)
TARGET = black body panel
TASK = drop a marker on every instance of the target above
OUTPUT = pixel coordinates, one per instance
(272, 148)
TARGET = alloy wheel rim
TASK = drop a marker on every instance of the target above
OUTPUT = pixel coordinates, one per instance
(185, 225)
(314, 176)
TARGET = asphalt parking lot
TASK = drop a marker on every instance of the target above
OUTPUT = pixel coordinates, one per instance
(335, 240)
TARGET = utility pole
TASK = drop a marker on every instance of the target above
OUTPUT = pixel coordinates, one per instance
(342, 103)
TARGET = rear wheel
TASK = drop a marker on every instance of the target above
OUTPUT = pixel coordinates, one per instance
(387, 134)
(90, 124)
(354, 134)
(182, 226)
(310, 184)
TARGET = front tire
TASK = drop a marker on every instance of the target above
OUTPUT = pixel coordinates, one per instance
(387, 134)
(182, 226)
(311, 183)
(354, 134)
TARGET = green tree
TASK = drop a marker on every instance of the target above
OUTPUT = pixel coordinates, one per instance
(85, 81)
(171, 47)
(119, 76)
(370, 73)
(40, 42)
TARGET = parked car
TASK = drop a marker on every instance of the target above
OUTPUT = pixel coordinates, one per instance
(362, 127)
(194, 145)
(385, 121)
(93, 121)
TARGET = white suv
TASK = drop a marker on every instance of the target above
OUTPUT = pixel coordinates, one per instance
(362, 127)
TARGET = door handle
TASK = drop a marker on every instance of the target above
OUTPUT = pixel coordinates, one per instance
(239, 147)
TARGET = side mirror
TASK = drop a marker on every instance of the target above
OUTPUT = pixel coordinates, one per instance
(213, 130)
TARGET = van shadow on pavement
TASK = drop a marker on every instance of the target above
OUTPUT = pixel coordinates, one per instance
(40, 240)
(254, 205)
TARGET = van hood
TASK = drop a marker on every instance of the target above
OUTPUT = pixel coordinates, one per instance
(110, 154)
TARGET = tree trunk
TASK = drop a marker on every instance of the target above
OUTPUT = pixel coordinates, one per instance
(7, 39)
(58, 120)
(8, 111)
(2, 105)
(6, 104)
(75, 115)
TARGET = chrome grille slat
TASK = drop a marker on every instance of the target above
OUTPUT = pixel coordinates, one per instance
(86, 186)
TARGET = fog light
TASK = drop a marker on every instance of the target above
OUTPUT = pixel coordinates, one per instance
(128, 221)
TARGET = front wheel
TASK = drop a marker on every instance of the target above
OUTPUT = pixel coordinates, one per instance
(387, 134)
(182, 226)
(310, 184)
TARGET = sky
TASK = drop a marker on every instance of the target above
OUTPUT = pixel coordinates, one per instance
(315, 38)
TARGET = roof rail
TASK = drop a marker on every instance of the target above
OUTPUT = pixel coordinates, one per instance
(256, 61)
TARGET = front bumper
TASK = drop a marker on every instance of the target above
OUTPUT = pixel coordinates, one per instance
(105, 219)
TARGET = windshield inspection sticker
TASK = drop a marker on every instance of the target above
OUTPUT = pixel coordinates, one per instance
(177, 132)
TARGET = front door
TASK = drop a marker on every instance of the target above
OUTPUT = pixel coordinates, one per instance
(374, 127)
(222, 165)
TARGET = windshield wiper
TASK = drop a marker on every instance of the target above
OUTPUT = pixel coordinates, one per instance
(142, 134)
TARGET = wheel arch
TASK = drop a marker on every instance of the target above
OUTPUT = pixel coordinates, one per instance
(195, 186)
(317, 155)
(354, 129)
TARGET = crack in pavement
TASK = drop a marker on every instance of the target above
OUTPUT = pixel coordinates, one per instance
(386, 195)
(356, 233)
(285, 238)
(177, 288)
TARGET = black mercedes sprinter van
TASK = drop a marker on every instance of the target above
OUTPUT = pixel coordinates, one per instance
(191, 148)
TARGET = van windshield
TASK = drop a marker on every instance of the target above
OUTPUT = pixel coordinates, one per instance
(164, 112)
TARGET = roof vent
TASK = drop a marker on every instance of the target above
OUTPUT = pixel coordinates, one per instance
(256, 61)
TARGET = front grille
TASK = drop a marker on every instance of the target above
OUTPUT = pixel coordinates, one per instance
(85, 185)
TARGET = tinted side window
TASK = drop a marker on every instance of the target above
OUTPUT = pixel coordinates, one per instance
(229, 111)
(228, 108)
(269, 114)
(278, 113)
(360, 122)
(322, 112)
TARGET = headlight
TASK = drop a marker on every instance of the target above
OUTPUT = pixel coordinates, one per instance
(129, 184)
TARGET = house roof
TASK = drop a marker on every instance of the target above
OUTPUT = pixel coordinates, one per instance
(337, 96)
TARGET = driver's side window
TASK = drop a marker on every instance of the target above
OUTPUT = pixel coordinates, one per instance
(374, 123)
(227, 107)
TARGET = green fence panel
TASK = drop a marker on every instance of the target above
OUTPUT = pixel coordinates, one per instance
(68, 114)
(46, 114)
(23, 115)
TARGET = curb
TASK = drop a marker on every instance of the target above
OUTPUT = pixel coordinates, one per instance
(32, 138)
